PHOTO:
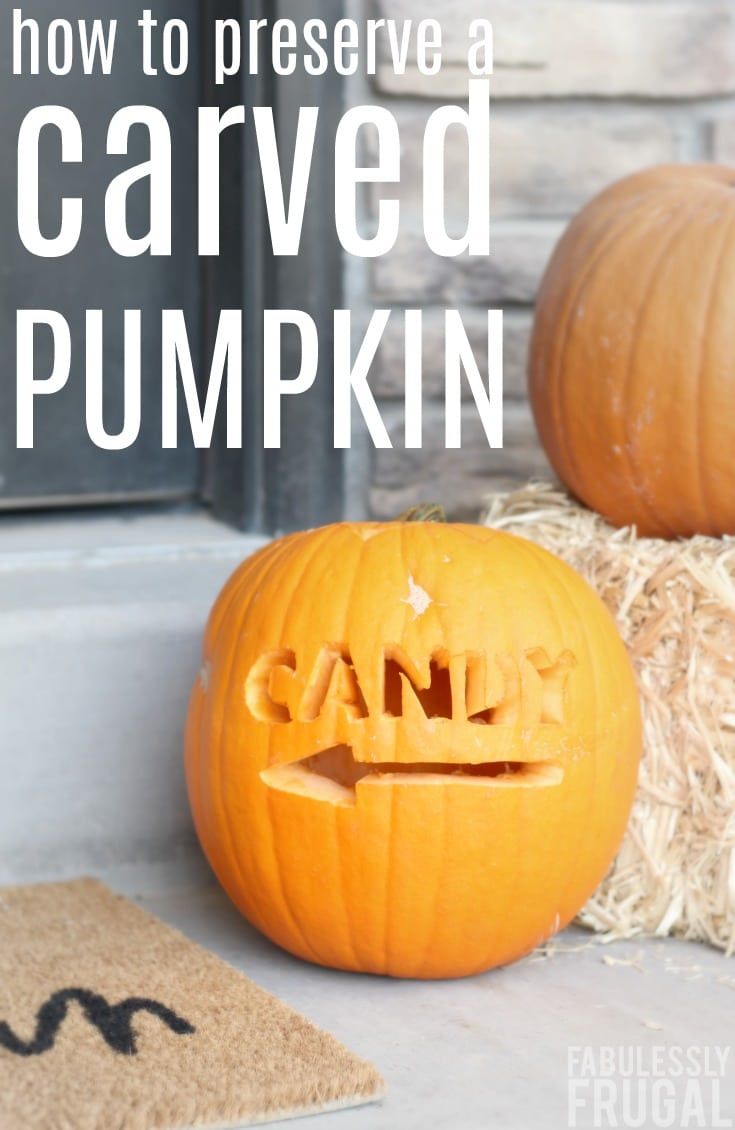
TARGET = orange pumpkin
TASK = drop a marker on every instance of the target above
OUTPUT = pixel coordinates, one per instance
(632, 367)
(412, 748)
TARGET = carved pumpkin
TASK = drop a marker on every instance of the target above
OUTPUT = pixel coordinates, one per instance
(632, 371)
(412, 748)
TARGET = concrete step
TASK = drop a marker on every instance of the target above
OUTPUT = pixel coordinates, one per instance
(100, 630)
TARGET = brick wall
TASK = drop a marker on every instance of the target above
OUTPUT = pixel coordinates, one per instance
(584, 92)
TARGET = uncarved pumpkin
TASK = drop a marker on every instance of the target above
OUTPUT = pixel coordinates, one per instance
(632, 366)
(412, 748)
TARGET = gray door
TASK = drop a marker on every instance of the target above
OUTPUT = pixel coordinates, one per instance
(65, 467)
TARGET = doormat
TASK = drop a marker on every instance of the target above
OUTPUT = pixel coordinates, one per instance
(109, 1018)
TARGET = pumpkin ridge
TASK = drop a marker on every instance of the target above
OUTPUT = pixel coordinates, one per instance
(585, 831)
(641, 229)
(597, 257)
(543, 568)
(610, 228)
(321, 538)
(392, 815)
(702, 371)
(337, 811)
(226, 602)
(439, 883)
(345, 617)
(269, 563)
(629, 445)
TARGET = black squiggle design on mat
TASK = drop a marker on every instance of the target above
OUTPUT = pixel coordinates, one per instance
(113, 1021)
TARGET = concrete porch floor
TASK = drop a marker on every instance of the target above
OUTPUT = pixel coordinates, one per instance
(491, 1051)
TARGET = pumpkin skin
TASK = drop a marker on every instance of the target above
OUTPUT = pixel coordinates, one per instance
(632, 372)
(402, 853)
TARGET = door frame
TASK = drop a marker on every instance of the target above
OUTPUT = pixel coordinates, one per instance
(302, 483)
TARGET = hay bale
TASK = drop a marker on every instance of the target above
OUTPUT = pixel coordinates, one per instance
(674, 603)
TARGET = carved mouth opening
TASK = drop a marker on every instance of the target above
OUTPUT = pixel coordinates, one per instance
(334, 773)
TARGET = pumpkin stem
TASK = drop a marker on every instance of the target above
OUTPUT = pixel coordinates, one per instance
(424, 512)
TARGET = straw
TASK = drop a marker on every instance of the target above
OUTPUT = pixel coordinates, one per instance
(674, 604)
